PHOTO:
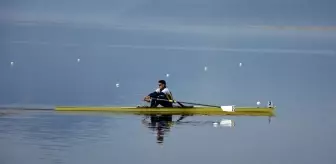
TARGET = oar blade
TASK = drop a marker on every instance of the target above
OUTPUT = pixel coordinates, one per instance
(229, 108)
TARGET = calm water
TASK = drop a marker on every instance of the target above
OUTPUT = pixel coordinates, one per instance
(74, 53)
(51, 137)
(296, 71)
(301, 83)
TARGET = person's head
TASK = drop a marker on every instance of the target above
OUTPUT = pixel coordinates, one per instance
(162, 84)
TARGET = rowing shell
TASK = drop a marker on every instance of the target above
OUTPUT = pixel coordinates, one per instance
(227, 110)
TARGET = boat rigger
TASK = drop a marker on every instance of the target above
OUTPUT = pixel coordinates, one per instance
(194, 110)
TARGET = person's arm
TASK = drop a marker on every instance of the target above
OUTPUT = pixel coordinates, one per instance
(153, 94)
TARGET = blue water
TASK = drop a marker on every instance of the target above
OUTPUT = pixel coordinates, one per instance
(51, 137)
(138, 45)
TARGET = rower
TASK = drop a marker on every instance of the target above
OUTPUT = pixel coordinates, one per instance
(161, 93)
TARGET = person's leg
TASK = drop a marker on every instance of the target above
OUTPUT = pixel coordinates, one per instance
(154, 104)
(165, 104)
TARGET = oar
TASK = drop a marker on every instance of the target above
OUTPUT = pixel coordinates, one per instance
(224, 108)
(174, 101)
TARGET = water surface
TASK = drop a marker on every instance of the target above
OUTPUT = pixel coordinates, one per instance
(52, 137)
(75, 52)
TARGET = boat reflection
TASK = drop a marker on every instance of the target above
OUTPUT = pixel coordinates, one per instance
(224, 123)
(161, 124)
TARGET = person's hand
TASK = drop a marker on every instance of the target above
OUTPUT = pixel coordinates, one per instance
(147, 99)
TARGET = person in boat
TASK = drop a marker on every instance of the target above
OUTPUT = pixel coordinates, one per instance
(160, 96)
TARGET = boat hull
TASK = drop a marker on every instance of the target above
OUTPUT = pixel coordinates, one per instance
(255, 111)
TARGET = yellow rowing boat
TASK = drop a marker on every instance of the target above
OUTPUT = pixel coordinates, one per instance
(227, 110)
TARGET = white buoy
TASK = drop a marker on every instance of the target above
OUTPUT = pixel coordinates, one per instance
(78, 60)
(258, 103)
(240, 64)
(117, 85)
(11, 63)
(205, 68)
(167, 75)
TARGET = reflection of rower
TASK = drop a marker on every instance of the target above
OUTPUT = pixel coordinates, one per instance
(160, 124)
